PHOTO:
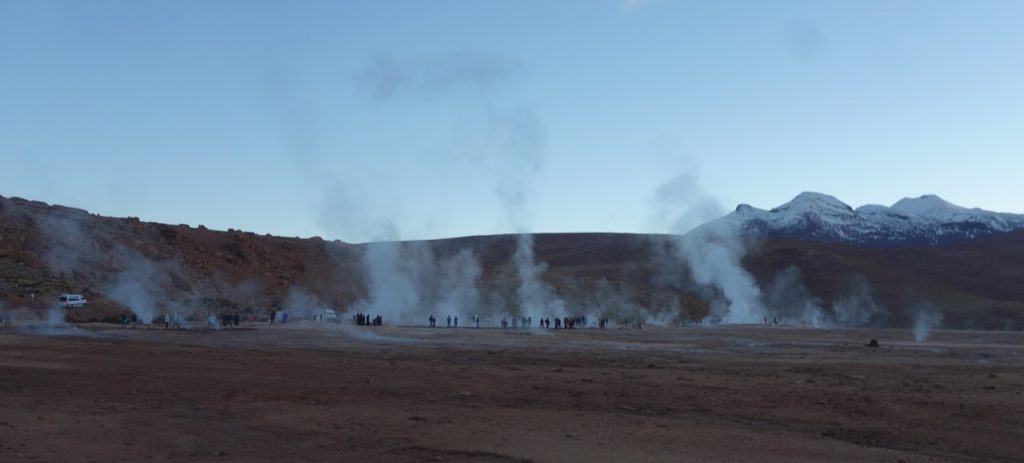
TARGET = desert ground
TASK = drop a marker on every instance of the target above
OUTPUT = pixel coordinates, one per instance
(321, 392)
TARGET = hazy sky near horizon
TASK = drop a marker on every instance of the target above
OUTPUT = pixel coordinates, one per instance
(364, 120)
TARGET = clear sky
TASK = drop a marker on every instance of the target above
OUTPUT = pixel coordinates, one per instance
(362, 120)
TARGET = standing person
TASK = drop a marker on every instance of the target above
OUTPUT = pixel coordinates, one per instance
(477, 319)
(456, 321)
(449, 321)
(273, 315)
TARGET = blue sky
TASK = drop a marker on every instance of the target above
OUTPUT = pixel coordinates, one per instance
(363, 120)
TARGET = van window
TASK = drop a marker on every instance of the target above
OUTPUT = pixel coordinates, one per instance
(62, 299)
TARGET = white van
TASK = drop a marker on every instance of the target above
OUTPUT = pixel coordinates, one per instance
(325, 315)
(71, 301)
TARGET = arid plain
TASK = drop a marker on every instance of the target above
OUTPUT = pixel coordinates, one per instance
(311, 392)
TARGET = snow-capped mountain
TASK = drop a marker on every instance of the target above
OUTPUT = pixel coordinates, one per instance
(911, 221)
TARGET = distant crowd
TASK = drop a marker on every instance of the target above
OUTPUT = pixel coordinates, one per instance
(362, 319)
(564, 323)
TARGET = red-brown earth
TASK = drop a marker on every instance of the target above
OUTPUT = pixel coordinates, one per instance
(311, 392)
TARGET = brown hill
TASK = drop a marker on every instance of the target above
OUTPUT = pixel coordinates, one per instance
(48, 250)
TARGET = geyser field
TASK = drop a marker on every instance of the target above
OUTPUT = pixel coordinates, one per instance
(750, 349)
(305, 391)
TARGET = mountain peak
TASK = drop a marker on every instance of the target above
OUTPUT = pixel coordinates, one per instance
(924, 205)
(810, 201)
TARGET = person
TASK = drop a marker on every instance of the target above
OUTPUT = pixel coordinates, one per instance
(273, 315)
(514, 322)
(238, 319)
(504, 322)
(7, 319)
(449, 321)
(476, 318)
(431, 320)
(456, 321)
(558, 323)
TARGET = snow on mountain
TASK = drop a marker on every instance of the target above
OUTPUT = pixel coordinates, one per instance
(819, 217)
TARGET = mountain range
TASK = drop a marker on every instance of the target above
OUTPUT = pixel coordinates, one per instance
(926, 220)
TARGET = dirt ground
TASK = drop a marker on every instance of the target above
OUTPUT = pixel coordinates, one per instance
(307, 392)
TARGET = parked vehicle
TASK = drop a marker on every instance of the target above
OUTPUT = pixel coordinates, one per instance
(326, 315)
(71, 301)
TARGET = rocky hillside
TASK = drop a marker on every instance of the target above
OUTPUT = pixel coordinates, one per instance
(123, 262)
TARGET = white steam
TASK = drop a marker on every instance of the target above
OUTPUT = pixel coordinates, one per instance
(713, 252)
(535, 296)
(458, 291)
(787, 299)
(142, 286)
(925, 320)
(406, 283)
(859, 307)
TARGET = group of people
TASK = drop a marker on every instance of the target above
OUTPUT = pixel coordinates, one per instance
(128, 321)
(365, 320)
(228, 320)
(566, 323)
(453, 321)
(523, 321)
(173, 320)
(274, 317)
